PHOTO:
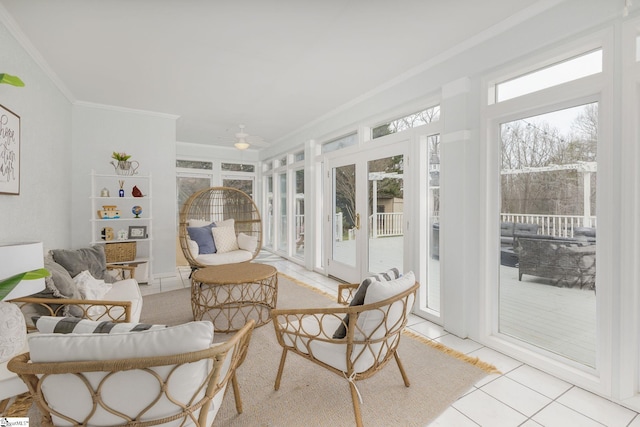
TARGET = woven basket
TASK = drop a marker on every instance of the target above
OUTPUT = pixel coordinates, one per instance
(120, 252)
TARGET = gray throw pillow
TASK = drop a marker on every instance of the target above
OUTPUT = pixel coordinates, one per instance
(59, 284)
(76, 261)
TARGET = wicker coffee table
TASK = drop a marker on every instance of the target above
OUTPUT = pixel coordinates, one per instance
(229, 295)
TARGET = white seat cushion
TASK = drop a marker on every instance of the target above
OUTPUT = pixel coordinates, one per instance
(379, 291)
(129, 391)
(225, 258)
(332, 353)
(127, 290)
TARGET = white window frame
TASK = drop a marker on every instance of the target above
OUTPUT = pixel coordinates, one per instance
(592, 88)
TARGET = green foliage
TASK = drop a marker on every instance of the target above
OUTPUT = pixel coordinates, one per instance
(11, 80)
(121, 157)
(7, 285)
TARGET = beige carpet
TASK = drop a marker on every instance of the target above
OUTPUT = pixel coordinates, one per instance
(312, 396)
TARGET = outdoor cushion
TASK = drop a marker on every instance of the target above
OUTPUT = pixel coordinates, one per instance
(202, 236)
(127, 391)
(225, 258)
(183, 338)
(358, 297)
(59, 284)
(331, 353)
(248, 243)
(379, 291)
(225, 238)
(126, 290)
(75, 325)
(78, 260)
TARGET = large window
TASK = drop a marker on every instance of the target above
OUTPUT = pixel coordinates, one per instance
(340, 143)
(548, 231)
(282, 212)
(268, 216)
(239, 176)
(433, 231)
(419, 118)
(244, 184)
(191, 176)
(298, 214)
(556, 74)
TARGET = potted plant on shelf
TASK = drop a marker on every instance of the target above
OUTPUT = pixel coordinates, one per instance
(124, 166)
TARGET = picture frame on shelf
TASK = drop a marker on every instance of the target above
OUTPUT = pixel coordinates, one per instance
(137, 232)
(9, 152)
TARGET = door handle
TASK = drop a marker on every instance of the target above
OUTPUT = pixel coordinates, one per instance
(357, 221)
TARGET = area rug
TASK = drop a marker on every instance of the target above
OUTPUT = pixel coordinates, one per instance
(312, 396)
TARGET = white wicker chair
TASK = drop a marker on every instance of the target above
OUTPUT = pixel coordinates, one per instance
(163, 397)
(373, 333)
(219, 204)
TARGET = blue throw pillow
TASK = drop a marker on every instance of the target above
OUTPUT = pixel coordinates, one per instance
(204, 238)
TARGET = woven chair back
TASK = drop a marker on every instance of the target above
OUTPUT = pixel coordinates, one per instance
(218, 204)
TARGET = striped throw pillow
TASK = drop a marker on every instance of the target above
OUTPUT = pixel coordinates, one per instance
(358, 298)
(75, 325)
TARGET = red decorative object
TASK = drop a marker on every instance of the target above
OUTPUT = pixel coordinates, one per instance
(136, 192)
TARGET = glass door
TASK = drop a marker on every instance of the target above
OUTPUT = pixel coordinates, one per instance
(385, 218)
(345, 223)
(366, 213)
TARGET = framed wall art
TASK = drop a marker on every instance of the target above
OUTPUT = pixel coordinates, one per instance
(9, 152)
(137, 231)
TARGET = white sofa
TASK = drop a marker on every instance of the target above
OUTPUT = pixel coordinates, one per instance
(123, 302)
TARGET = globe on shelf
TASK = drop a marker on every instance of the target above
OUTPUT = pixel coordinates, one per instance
(136, 210)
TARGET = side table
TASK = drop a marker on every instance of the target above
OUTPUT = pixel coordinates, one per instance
(231, 294)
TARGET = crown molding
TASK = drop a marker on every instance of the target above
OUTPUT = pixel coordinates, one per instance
(125, 110)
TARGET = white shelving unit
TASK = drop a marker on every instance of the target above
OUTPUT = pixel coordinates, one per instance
(127, 219)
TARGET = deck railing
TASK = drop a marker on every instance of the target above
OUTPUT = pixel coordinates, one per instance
(385, 224)
(552, 225)
(390, 224)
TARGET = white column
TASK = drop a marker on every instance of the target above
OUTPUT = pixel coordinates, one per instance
(458, 282)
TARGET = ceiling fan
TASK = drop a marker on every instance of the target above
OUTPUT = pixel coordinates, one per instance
(244, 140)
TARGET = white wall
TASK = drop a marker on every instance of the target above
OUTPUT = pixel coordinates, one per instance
(150, 139)
(42, 210)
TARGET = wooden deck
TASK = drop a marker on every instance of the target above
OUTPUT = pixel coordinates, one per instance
(560, 320)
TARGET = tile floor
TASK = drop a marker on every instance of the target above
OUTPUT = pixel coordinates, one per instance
(521, 396)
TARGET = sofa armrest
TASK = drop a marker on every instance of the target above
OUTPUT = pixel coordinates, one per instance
(111, 311)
